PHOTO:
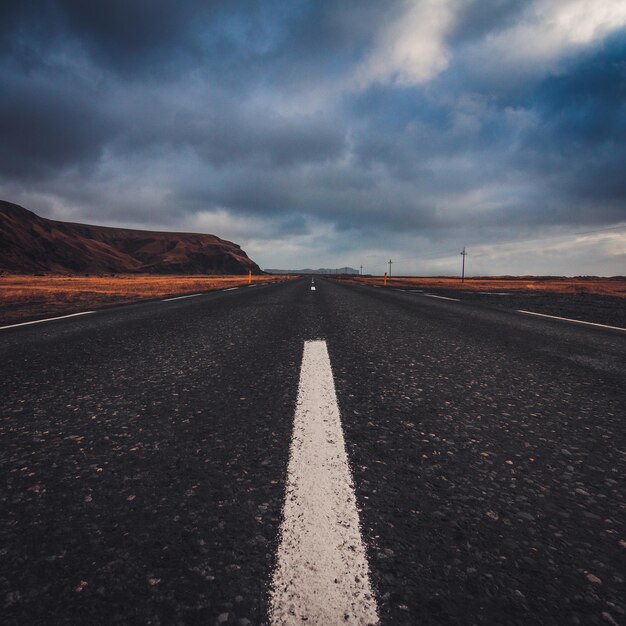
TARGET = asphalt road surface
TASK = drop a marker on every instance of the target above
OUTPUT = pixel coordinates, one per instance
(145, 453)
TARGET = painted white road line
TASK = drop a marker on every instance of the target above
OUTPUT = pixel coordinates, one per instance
(432, 295)
(251, 285)
(191, 295)
(322, 575)
(312, 287)
(568, 319)
(231, 289)
(48, 319)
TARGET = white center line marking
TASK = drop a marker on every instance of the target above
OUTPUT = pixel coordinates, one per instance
(312, 287)
(48, 319)
(567, 319)
(322, 575)
(191, 295)
(432, 295)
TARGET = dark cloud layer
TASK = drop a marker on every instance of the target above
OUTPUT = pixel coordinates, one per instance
(479, 18)
(46, 128)
(291, 124)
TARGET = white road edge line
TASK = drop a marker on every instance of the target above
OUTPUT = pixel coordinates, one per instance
(569, 319)
(48, 319)
(322, 574)
(192, 295)
(432, 295)
(231, 289)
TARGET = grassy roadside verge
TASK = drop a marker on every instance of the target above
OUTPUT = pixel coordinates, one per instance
(524, 284)
(25, 297)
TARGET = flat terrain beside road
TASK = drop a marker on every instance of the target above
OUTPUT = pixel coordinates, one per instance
(601, 300)
(152, 453)
(24, 297)
(523, 284)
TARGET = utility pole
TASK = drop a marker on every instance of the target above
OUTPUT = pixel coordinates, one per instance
(361, 270)
(390, 261)
(463, 254)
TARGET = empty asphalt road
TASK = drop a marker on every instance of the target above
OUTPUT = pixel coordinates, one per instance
(146, 452)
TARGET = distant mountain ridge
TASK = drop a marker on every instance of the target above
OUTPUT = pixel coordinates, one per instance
(32, 244)
(322, 270)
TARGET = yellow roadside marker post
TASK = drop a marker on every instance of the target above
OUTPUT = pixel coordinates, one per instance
(385, 279)
(249, 277)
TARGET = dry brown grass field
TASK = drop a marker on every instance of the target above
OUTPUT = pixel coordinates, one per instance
(25, 297)
(525, 284)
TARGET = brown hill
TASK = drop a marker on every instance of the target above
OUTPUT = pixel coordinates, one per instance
(32, 244)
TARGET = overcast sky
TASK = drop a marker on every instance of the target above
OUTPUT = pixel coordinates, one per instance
(328, 133)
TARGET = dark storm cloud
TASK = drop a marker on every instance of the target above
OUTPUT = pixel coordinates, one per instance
(580, 142)
(117, 32)
(478, 18)
(123, 31)
(149, 37)
(281, 142)
(583, 106)
(47, 126)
